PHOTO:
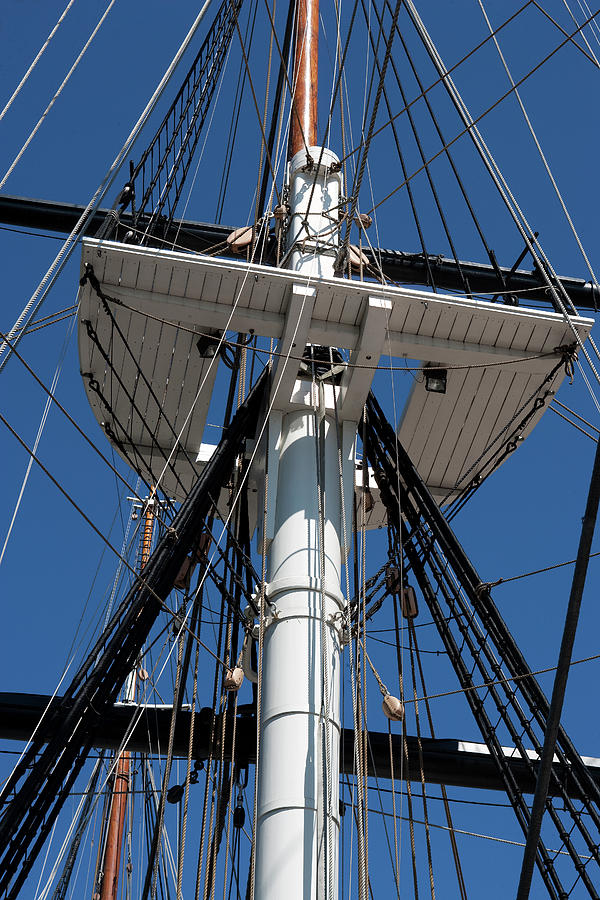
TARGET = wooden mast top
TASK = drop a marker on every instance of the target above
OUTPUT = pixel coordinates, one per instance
(303, 130)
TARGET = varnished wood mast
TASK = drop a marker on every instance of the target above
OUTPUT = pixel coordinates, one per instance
(121, 786)
(303, 130)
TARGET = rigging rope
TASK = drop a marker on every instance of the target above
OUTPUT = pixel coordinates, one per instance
(36, 59)
(366, 142)
(457, 864)
(539, 146)
(540, 259)
(57, 94)
(39, 295)
(486, 642)
(366, 366)
(38, 437)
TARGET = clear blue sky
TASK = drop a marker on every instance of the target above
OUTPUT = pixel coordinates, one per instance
(55, 570)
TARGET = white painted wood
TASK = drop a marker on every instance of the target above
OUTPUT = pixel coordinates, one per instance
(356, 381)
(293, 341)
(444, 434)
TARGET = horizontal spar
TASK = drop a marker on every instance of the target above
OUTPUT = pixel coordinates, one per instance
(397, 265)
(445, 761)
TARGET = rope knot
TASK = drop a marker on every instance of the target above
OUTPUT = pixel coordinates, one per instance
(568, 352)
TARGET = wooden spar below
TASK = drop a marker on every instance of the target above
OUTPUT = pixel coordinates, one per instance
(303, 127)
(443, 760)
(120, 791)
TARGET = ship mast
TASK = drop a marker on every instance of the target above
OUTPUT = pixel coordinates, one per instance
(111, 863)
(303, 126)
(297, 828)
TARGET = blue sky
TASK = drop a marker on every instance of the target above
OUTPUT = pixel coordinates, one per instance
(55, 571)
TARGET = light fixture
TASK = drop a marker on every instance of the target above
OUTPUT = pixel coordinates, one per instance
(435, 380)
(207, 343)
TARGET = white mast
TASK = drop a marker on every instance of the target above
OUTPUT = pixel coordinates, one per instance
(297, 830)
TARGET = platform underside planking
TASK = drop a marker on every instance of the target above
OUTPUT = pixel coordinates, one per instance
(445, 434)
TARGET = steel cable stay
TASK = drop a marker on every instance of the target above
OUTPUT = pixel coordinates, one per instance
(112, 772)
(237, 107)
(541, 261)
(423, 554)
(283, 88)
(543, 264)
(192, 719)
(38, 297)
(140, 375)
(180, 128)
(443, 79)
(36, 59)
(574, 424)
(351, 153)
(593, 27)
(31, 807)
(56, 95)
(106, 778)
(120, 437)
(549, 876)
(479, 597)
(366, 141)
(40, 431)
(52, 396)
(262, 351)
(414, 647)
(488, 837)
(539, 147)
(434, 119)
(231, 545)
(266, 145)
(413, 207)
(461, 608)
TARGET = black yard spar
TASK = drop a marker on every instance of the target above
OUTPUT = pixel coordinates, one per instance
(208, 500)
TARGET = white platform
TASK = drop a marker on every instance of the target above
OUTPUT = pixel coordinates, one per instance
(444, 433)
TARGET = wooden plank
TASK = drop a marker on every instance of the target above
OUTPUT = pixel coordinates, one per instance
(179, 282)
(274, 301)
(336, 306)
(146, 277)
(491, 330)
(493, 419)
(414, 317)
(353, 307)
(162, 278)
(523, 336)
(444, 323)
(463, 425)
(458, 463)
(130, 270)
(443, 434)
(461, 325)
(257, 289)
(107, 267)
(410, 418)
(215, 287)
(424, 430)
(475, 330)
(507, 333)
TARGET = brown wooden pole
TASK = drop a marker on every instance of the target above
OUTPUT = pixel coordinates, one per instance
(120, 792)
(303, 129)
